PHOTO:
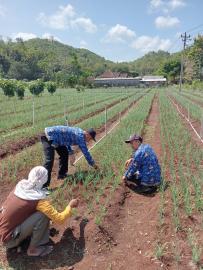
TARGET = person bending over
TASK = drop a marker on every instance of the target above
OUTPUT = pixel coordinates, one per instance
(60, 139)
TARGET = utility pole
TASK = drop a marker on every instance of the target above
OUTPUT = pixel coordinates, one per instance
(184, 38)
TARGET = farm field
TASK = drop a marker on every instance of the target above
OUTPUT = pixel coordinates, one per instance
(113, 226)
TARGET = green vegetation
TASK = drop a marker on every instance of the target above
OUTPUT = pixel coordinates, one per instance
(67, 66)
(182, 167)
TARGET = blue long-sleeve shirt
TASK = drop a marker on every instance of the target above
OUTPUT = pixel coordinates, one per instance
(68, 136)
(145, 164)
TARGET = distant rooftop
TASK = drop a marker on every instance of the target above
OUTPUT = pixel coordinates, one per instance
(109, 75)
(153, 79)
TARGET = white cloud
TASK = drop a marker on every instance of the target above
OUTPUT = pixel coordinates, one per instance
(147, 43)
(176, 4)
(27, 36)
(166, 5)
(65, 17)
(166, 22)
(50, 37)
(60, 19)
(84, 23)
(156, 3)
(119, 33)
(24, 36)
(83, 44)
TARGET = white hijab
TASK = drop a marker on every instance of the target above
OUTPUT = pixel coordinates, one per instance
(31, 188)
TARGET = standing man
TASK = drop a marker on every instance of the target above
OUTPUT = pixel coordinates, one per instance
(143, 168)
(61, 138)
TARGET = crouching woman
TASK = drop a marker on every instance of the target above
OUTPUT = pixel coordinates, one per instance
(27, 213)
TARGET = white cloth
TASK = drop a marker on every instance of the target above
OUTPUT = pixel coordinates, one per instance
(31, 188)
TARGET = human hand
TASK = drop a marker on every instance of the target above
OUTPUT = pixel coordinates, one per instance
(72, 159)
(95, 167)
(127, 163)
(124, 180)
(74, 203)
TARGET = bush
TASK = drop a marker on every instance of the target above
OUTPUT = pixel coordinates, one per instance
(20, 89)
(8, 87)
(197, 85)
(36, 87)
(51, 87)
(80, 88)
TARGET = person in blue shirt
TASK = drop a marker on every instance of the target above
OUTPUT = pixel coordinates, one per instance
(143, 168)
(60, 139)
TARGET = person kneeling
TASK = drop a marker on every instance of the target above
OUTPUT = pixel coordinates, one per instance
(27, 213)
(143, 168)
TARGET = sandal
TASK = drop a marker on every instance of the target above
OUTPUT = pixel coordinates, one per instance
(41, 251)
(47, 251)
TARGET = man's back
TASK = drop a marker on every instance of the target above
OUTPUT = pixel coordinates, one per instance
(148, 164)
(64, 135)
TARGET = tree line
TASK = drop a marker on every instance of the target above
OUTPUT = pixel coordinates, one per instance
(70, 67)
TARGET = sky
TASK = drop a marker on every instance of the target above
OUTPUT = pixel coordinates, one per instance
(119, 30)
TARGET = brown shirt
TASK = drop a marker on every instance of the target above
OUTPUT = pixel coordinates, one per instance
(14, 211)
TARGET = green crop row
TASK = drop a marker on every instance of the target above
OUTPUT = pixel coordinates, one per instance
(182, 166)
(195, 111)
(10, 166)
(27, 132)
(60, 109)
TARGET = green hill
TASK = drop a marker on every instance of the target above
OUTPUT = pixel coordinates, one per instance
(52, 60)
(38, 58)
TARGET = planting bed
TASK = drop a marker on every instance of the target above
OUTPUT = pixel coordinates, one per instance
(115, 228)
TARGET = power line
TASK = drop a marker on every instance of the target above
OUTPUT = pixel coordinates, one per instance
(194, 28)
(174, 44)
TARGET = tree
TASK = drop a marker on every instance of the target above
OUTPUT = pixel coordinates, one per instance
(195, 55)
(20, 89)
(75, 66)
(171, 70)
(8, 87)
(51, 87)
(19, 71)
(4, 64)
(72, 81)
(36, 87)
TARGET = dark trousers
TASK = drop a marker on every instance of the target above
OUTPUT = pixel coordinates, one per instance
(49, 153)
(141, 188)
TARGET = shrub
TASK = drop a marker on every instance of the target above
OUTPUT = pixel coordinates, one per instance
(36, 87)
(20, 89)
(51, 87)
(8, 87)
(80, 88)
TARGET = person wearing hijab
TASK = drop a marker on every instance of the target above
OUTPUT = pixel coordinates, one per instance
(27, 213)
